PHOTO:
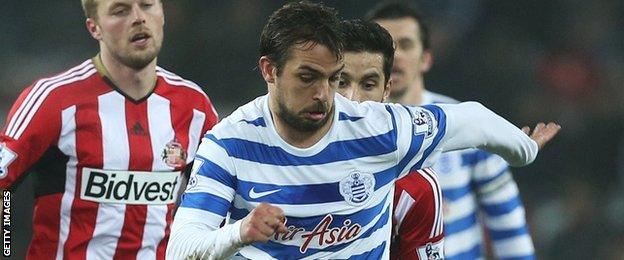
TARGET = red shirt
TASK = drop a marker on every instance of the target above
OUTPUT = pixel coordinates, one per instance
(417, 218)
(106, 167)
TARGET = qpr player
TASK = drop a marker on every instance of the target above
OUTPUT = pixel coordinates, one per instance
(106, 141)
(417, 221)
(306, 173)
(478, 190)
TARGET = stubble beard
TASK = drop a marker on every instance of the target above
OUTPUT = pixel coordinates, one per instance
(294, 121)
(138, 59)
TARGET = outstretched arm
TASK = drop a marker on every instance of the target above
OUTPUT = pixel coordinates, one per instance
(471, 125)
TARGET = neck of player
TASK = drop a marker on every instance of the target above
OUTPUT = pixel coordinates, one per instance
(413, 94)
(295, 137)
(135, 83)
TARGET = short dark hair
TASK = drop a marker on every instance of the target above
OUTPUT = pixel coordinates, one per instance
(368, 36)
(402, 10)
(300, 22)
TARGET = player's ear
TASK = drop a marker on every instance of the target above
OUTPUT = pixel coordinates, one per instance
(93, 28)
(426, 61)
(387, 89)
(269, 72)
(162, 9)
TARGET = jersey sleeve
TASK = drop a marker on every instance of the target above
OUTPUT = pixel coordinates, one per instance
(420, 132)
(196, 227)
(504, 215)
(32, 126)
(207, 115)
(212, 117)
(471, 125)
(418, 220)
(448, 127)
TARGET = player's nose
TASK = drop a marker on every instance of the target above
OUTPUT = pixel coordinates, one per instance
(138, 14)
(322, 91)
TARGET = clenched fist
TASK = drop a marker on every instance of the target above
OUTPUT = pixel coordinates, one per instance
(262, 223)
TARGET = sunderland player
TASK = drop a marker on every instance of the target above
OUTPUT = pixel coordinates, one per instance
(309, 174)
(106, 141)
(368, 59)
(477, 186)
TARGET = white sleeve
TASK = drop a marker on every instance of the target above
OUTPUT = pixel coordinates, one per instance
(471, 125)
(196, 230)
(196, 240)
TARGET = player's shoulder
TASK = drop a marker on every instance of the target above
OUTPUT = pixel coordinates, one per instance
(246, 118)
(58, 88)
(433, 97)
(174, 80)
(370, 110)
(368, 114)
(71, 77)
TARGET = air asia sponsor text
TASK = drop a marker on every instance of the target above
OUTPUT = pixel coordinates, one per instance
(322, 234)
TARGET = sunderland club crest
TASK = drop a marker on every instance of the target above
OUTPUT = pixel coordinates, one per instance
(174, 154)
(357, 188)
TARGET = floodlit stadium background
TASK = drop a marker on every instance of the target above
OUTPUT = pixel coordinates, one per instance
(527, 60)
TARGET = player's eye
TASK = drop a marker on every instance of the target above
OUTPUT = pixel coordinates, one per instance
(145, 5)
(369, 85)
(121, 11)
(306, 77)
(343, 83)
(406, 44)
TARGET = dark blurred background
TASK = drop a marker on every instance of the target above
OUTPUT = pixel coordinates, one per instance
(528, 60)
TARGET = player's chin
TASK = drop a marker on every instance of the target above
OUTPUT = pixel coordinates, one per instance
(140, 59)
(309, 124)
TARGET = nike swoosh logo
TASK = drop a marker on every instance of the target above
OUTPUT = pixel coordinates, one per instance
(254, 195)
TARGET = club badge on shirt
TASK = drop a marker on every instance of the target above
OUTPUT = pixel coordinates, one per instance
(6, 157)
(174, 154)
(357, 188)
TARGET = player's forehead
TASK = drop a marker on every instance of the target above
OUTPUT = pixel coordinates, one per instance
(315, 57)
(361, 64)
(401, 28)
(112, 3)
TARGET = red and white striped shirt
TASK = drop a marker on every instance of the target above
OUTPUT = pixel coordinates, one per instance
(106, 166)
(417, 224)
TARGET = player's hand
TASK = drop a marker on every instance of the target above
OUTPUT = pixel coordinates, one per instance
(262, 223)
(542, 133)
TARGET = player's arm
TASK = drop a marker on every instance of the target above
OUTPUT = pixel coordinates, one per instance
(208, 115)
(418, 217)
(499, 200)
(196, 227)
(471, 125)
(33, 124)
(212, 117)
(425, 132)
